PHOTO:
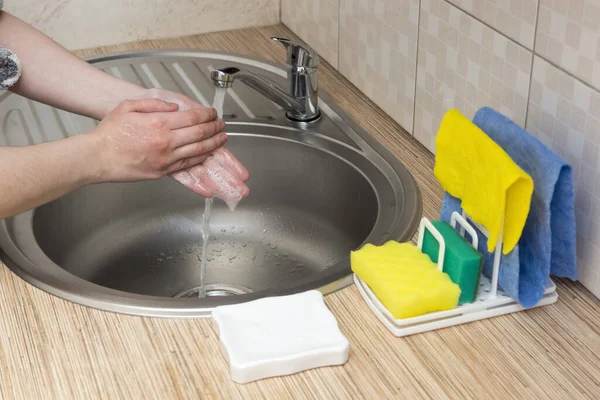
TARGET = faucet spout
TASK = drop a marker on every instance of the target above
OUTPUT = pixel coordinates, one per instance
(226, 76)
(300, 100)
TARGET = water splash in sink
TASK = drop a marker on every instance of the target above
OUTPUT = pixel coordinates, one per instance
(205, 236)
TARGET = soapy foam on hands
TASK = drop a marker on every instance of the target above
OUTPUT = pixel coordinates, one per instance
(214, 167)
(158, 96)
(187, 179)
(225, 181)
(227, 159)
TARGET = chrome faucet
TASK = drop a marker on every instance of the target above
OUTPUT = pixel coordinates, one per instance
(300, 100)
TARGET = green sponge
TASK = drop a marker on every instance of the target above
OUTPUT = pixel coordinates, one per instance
(461, 261)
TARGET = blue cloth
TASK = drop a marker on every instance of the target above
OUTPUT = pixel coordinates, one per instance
(547, 245)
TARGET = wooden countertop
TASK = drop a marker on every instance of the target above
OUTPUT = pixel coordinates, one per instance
(53, 349)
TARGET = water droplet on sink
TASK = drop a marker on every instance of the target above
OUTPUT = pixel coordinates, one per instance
(233, 257)
(264, 230)
(223, 230)
(161, 254)
(189, 250)
(199, 257)
(245, 244)
(175, 261)
(184, 258)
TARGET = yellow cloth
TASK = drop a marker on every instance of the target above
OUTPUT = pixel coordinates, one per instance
(473, 168)
(404, 279)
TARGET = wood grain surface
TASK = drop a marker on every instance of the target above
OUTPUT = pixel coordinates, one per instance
(53, 349)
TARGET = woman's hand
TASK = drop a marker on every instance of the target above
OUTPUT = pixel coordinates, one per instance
(184, 102)
(220, 175)
(147, 139)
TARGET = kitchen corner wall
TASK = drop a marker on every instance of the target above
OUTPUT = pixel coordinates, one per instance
(78, 24)
(536, 61)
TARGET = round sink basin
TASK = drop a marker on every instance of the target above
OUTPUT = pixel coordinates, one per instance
(135, 248)
(307, 210)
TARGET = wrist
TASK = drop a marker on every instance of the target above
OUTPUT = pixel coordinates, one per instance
(89, 166)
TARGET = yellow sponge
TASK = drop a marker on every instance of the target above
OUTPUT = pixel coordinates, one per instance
(404, 279)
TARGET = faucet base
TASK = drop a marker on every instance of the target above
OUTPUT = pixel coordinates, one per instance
(290, 116)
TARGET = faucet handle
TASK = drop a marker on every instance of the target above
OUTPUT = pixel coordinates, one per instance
(299, 55)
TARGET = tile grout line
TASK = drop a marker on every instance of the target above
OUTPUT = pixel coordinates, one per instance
(568, 73)
(414, 116)
(535, 27)
(532, 51)
(488, 25)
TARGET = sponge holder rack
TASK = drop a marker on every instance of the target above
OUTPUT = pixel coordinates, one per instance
(490, 301)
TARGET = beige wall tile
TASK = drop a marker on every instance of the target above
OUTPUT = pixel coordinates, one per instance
(565, 115)
(514, 18)
(568, 35)
(316, 23)
(386, 32)
(496, 76)
(466, 64)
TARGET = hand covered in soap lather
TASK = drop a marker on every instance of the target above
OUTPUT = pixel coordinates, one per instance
(220, 174)
(146, 139)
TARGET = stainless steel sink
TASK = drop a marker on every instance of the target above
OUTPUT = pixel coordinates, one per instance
(318, 191)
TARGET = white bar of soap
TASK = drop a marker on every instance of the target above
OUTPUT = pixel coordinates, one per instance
(277, 336)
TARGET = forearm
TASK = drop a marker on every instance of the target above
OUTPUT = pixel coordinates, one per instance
(54, 76)
(34, 175)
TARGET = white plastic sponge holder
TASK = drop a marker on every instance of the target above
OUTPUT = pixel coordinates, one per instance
(490, 301)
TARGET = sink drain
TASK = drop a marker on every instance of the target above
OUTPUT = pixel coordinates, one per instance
(214, 290)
